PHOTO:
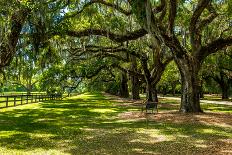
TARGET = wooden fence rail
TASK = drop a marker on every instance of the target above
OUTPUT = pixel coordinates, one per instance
(15, 100)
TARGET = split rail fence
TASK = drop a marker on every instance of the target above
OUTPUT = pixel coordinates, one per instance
(15, 100)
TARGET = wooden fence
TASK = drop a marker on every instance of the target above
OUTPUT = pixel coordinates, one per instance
(15, 100)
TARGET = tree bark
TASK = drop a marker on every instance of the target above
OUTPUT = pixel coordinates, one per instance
(155, 95)
(149, 86)
(201, 93)
(124, 86)
(134, 80)
(189, 69)
(225, 90)
(224, 84)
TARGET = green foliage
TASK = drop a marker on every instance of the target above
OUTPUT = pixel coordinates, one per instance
(217, 71)
(170, 81)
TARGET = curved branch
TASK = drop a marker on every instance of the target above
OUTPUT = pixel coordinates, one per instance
(202, 4)
(103, 2)
(110, 55)
(213, 47)
(213, 14)
(128, 71)
(97, 49)
(172, 15)
(112, 36)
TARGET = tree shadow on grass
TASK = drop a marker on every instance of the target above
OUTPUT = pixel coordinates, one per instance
(91, 126)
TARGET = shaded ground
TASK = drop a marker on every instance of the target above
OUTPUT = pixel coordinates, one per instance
(95, 124)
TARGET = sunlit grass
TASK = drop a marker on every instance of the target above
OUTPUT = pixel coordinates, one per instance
(93, 124)
(215, 98)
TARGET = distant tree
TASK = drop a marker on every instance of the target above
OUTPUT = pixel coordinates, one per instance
(218, 67)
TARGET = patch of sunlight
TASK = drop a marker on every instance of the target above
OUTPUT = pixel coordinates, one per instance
(40, 135)
(151, 132)
(23, 107)
(84, 96)
(206, 131)
(44, 120)
(182, 136)
(18, 115)
(102, 110)
(216, 132)
(137, 150)
(153, 136)
(6, 151)
(8, 133)
(200, 144)
(129, 120)
(226, 152)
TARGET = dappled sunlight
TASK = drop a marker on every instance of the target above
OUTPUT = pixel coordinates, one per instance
(93, 124)
(102, 110)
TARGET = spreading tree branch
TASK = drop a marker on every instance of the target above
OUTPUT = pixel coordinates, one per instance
(102, 50)
(172, 15)
(213, 47)
(204, 22)
(112, 36)
(130, 72)
(194, 37)
(103, 2)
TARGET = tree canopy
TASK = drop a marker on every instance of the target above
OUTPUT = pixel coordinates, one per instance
(118, 46)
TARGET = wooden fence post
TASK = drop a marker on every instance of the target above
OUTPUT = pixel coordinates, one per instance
(27, 99)
(31, 98)
(7, 101)
(21, 99)
(14, 100)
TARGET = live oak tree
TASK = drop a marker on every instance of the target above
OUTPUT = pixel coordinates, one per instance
(218, 67)
(180, 25)
(160, 21)
(152, 77)
(151, 61)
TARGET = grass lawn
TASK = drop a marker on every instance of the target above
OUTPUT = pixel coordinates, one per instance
(105, 124)
(215, 98)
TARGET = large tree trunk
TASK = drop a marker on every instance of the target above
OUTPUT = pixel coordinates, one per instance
(201, 90)
(135, 88)
(29, 87)
(135, 84)
(147, 75)
(124, 86)
(149, 86)
(149, 91)
(189, 69)
(225, 90)
(155, 95)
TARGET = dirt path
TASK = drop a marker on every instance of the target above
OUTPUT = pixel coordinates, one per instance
(202, 101)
